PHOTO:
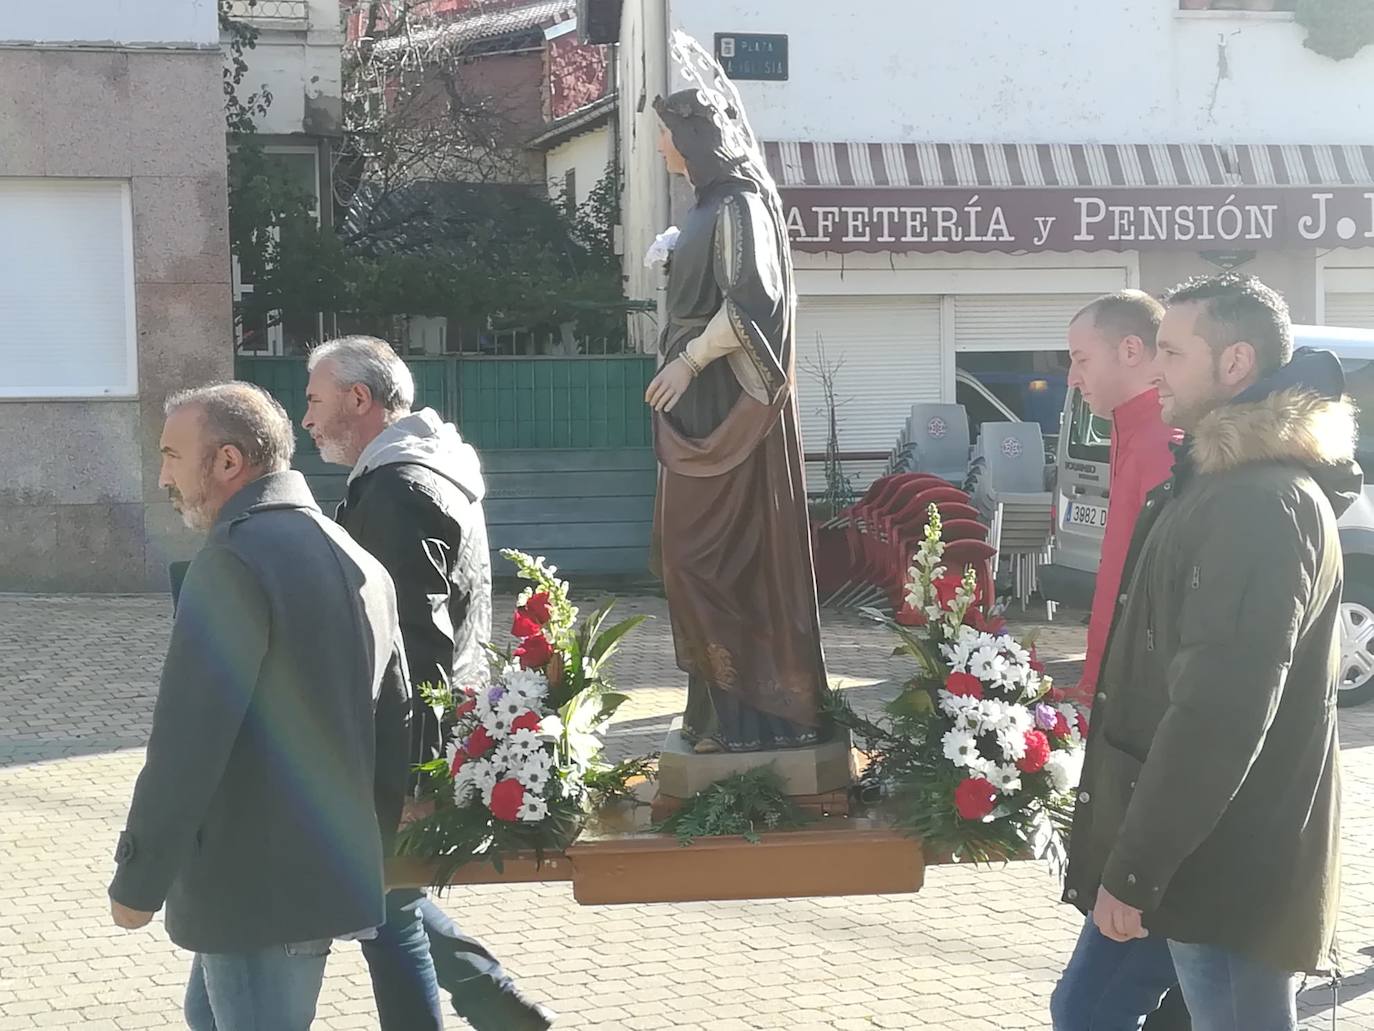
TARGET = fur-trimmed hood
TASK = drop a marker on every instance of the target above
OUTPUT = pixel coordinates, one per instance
(1296, 426)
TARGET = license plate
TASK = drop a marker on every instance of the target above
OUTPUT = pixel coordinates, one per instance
(1093, 517)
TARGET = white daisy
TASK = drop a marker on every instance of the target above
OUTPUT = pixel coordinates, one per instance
(988, 664)
(517, 749)
(477, 777)
(1012, 744)
(1006, 779)
(963, 709)
(500, 712)
(993, 716)
(533, 809)
(528, 685)
(961, 747)
(535, 773)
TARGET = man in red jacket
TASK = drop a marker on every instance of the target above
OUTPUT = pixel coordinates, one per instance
(1112, 985)
(1111, 353)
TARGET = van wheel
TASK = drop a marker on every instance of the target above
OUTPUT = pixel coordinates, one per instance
(1357, 644)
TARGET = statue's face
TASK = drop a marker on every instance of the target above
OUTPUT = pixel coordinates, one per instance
(672, 157)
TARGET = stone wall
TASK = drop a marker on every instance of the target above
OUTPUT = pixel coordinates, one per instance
(80, 506)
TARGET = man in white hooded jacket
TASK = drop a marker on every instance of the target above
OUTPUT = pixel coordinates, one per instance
(414, 501)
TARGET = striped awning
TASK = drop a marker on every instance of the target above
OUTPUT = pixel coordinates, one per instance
(801, 164)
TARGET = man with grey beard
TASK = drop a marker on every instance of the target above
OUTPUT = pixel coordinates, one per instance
(414, 500)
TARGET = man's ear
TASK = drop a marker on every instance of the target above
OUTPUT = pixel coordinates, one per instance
(1238, 363)
(1132, 351)
(359, 397)
(227, 463)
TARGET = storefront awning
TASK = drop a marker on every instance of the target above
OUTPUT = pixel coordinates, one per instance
(992, 165)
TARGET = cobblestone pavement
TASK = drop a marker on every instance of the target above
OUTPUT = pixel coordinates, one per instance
(975, 949)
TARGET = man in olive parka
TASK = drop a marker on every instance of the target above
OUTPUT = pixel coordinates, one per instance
(1208, 811)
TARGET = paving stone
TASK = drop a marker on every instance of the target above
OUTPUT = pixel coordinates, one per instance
(976, 949)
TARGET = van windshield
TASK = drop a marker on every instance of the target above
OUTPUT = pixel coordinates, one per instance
(1090, 438)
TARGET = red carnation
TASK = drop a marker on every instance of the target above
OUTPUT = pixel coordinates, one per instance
(479, 744)
(529, 721)
(534, 652)
(1082, 724)
(964, 685)
(506, 799)
(975, 798)
(465, 708)
(1061, 725)
(1037, 752)
(524, 625)
(537, 608)
(459, 757)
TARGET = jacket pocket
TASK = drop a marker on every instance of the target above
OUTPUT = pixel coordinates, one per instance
(305, 950)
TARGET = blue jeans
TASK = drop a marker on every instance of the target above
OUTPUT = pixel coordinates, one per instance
(1112, 986)
(419, 949)
(275, 987)
(1230, 992)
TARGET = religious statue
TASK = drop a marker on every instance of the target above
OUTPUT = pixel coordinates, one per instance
(731, 532)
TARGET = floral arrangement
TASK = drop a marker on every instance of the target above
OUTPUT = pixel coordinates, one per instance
(976, 755)
(523, 747)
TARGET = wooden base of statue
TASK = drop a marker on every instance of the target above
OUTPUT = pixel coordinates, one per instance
(838, 856)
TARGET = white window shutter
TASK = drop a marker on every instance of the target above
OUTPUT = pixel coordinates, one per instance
(67, 326)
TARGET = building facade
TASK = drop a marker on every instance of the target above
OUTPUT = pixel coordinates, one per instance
(960, 180)
(114, 279)
(295, 59)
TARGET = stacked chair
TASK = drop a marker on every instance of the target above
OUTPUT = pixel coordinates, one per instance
(1006, 484)
(935, 440)
(884, 528)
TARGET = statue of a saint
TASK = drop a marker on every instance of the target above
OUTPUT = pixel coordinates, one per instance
(732, 537)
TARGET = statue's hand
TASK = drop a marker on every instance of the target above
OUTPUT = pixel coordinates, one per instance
(669, 385)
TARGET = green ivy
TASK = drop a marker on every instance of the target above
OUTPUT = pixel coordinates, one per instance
(741, 804)
(1338, 29)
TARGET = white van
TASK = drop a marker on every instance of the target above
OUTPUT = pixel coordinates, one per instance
(1081, 473)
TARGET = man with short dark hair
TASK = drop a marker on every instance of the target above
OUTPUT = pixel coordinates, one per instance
(1208, 812)
(414, 501)
(281, 735)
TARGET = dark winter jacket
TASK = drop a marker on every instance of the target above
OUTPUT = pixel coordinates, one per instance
(280, 736)
(414, 501)
(1210, 791)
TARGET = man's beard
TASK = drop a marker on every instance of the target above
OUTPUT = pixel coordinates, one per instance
(337, 447)
(334, 451)
(196, 513)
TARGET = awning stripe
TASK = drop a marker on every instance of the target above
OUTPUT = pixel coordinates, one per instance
(859, 164)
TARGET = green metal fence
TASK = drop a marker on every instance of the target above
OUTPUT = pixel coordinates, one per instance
(508, 403)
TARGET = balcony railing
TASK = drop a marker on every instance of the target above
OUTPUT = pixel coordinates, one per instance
(270, 10)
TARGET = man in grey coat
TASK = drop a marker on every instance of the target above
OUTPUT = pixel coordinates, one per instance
(280, 744)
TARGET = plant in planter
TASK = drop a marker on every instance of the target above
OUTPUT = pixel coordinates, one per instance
(976, 756)
(1338, 29)
(522, 762)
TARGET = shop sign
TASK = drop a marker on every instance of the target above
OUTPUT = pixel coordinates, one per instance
(1075, 219)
